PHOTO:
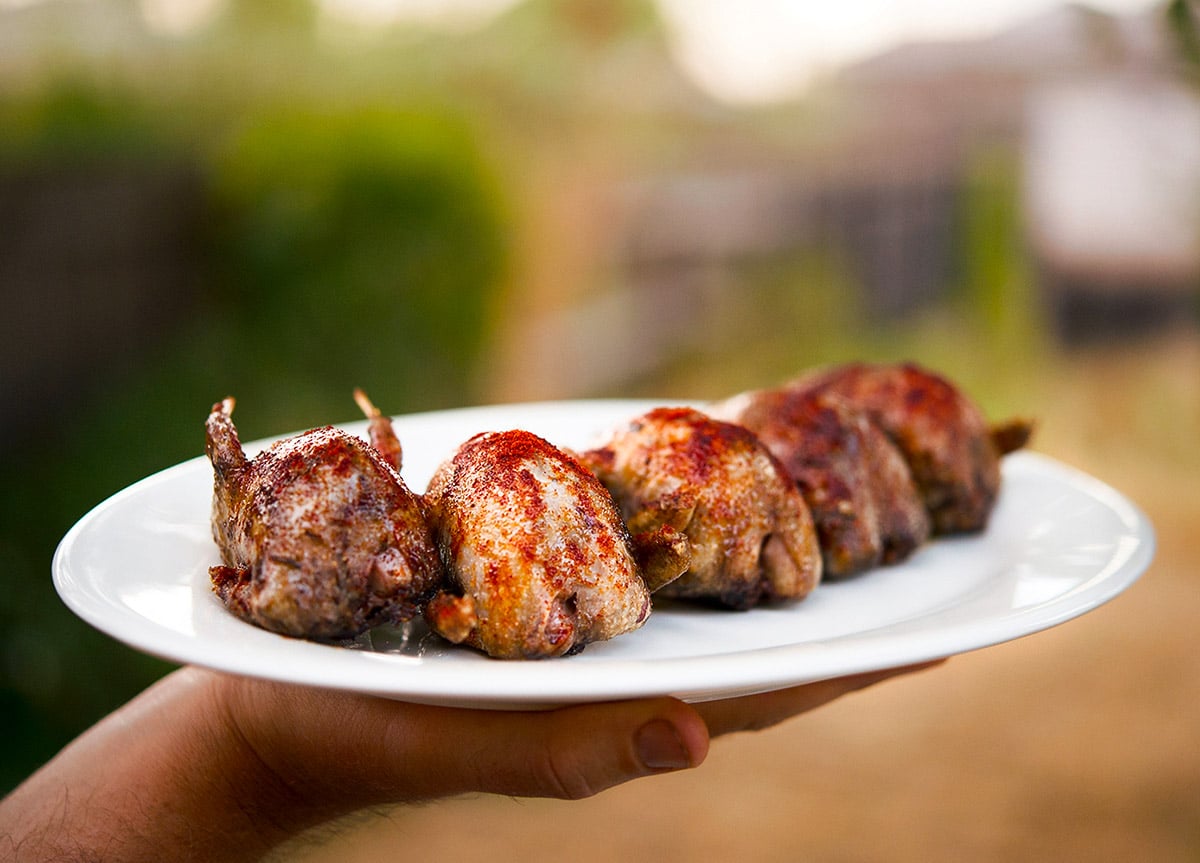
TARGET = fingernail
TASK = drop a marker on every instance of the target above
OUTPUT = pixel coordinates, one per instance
(659, 747)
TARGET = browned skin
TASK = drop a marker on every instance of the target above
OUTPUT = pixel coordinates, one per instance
(750, 537)
(949, 447)
(319, 537)
(537, 558)
(856, 483)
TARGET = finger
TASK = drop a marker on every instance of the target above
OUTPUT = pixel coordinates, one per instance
(361, 751)
(755, 712)
(574, 752)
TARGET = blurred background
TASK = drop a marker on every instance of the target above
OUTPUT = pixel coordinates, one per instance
(451, 203)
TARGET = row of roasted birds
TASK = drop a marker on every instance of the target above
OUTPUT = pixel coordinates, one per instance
(522, 549)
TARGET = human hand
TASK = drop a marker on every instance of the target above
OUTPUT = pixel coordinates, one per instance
(218, 767)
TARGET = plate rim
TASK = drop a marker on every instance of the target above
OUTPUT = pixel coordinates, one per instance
(511, 685)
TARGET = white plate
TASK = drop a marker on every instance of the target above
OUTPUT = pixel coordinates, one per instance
(1060, 543)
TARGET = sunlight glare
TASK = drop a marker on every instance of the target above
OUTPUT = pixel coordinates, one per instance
(382, 12)
(761, 50)
(178, 17)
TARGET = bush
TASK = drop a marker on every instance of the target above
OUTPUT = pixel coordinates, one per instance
(359, 248)
(344, 248)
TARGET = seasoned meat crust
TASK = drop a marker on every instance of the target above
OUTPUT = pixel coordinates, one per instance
(749, 536)
(319, 537)
(951, 451)
(855, 481)
(538, 562)
(523, 550)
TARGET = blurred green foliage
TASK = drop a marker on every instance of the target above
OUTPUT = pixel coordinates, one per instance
(338, 246)
(362, 246)
(72, 121)
(1183, 23)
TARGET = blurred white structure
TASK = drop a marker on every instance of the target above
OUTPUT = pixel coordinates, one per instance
(1113, 178)
(1112, 191)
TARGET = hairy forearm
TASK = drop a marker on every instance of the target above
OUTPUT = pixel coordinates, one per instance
(154, 780)
(213, 767)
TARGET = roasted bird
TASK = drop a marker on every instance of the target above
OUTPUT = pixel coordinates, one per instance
(855, 481)
(523, 550)
(319, 536)
(952, 452)
(538, 562)
(747, 534)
